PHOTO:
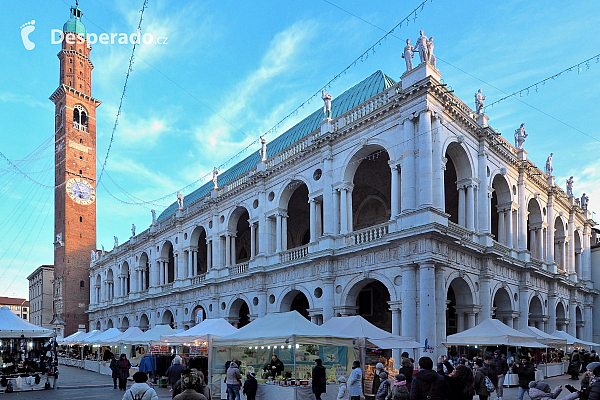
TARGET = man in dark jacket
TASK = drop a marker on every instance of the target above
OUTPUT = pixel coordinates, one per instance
(114, 367)
(574, 365)
(174, 371)
(501, 369)
(488, 364)
(526, 373)
(428, 384)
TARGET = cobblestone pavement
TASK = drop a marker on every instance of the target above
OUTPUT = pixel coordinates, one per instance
(78, 384)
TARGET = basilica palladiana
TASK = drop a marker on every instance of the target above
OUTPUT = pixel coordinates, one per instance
(402, 205)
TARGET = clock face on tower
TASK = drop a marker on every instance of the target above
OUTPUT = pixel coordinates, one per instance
(81, 191)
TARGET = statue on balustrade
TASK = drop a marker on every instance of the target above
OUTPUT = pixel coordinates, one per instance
(408, 54)
(584, 201)
(180, 200)
(479, 98)
(215, 174)
(421, 46)
(570, 186)
(154, 222)
(327, 103)
(263, 149)
(549, 168)
(520, 135)
(430, 56)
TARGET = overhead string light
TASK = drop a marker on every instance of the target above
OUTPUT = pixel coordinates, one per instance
(294, 112)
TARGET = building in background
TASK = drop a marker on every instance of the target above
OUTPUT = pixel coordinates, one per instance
(75, 178)
(41, 296)
(18, 306)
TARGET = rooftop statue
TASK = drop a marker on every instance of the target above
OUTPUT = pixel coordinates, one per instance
(570, 186)
(479, 98)
(116, 241)
(180, 200)
(408, 54)
(154, 222)
(215, 174)
(263, 150)
(430, 56)
(421, 45)
(327, 103)
(132, 230)
(549, 168)
(520, 135)
(584, 201)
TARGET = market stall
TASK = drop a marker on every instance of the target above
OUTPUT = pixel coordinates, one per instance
(292, 339)
(549, 369)
(572, 340)
(28, 358)
(492, 332)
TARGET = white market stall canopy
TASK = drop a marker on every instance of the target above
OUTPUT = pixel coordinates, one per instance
(369, 335)
(151, 336)
(105, 336)
(209, 328)
(543, 337)
(492, 332)
(289, 327)
(71, 337)
(13, 326)
(131, 332)
(85, 339)
(572, 340)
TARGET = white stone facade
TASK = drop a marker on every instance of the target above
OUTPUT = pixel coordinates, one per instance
(408, 209)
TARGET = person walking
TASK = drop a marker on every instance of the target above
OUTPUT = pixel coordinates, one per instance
(428, 384)
(343, 390)
(461, 382)
(233, 381)
(355, 381)
(123, 372)
(526, 373)
(174, 371)
(319, 380)
(189, 383)
(407, 370)
(574, 365)
(114, 367)
(140, 389)
(479, 384)
(376, 380)
(501, 369)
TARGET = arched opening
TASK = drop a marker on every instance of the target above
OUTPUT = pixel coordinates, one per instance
(579, 323)
(168, 256)
(125, 324)
(560, 245)
(109, 324)
(369, 298)
(144, 283)
(167, 319)
(98, 288)
(198, 240)
(371, 195)
(238, 237)
(459, 195)
(144, 323)
(110, 285)
(198, 315)
(503, 309)
(536, 313)
(461, 311)
(298, 221)
(295, 300)
(501, 221)
(561, 317)
(534, 229)
(98, 325)
(239, 313)
(126, 275)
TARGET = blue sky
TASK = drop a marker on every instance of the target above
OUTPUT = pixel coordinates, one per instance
(232, 69)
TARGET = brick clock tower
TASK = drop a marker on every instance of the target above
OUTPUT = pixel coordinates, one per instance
(75, 179)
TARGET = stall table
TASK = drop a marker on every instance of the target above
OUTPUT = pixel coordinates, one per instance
(553, 369)
(276, 392)
(513, 379)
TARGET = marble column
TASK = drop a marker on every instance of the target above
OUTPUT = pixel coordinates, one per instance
(539, 243)
(408, 177)
(395, 309)
(427, 322)
(471, 207)
(227, 250)
(438, 169)
(313, 219)
(409, 302)
(252, 241)
(509, 228)
(284, 232)
(328, 299)
(522, 221)
(343, 211)
(161, 267)
(471, 320)
(552, 313)
(501, 228)
(336, 212)
(208, 255)
(319, 218)
(550, 242)
(278, 240)
(425, 160)
(395, 190)
(462, 220)
(349, 209)
(586, 256)
(327, 203)
(571, 249)
(190, 263)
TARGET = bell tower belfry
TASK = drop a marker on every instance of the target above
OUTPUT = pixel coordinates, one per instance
(75, 178)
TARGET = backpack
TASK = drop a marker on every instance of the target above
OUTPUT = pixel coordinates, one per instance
(489, 385)
(138, 396)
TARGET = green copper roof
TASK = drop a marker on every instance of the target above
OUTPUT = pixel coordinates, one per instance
(358, 94)
(74, 24)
